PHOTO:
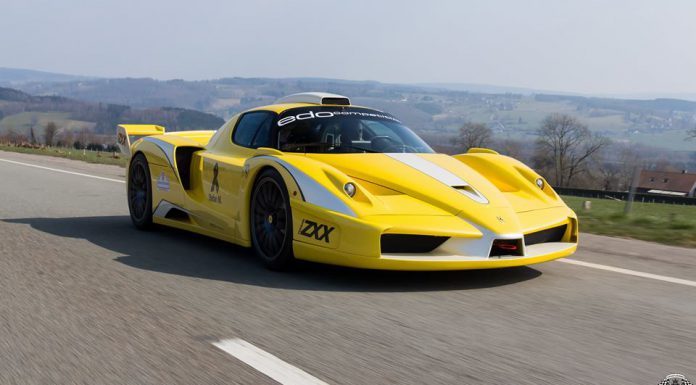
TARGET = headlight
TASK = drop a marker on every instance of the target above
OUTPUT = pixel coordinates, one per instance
(349, 188)
(540, 183)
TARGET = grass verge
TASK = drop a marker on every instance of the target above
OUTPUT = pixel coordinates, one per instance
(70, 153)
(656, 222)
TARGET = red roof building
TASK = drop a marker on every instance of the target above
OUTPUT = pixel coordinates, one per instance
(667, 183)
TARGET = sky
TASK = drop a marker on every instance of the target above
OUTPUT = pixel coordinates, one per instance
(584, 46)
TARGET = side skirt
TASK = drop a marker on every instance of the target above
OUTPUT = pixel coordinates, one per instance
(161, 217)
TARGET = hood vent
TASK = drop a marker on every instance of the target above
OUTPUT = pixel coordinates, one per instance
(471, 193)
(439, 173)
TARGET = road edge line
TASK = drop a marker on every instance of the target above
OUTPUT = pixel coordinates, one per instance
(63, 171)
(634, 273)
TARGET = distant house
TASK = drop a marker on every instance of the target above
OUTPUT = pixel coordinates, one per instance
(667, 183)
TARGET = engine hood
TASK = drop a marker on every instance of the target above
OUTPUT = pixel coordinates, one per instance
(448, 183)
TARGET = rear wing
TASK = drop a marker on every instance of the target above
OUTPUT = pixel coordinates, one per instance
(129, 133)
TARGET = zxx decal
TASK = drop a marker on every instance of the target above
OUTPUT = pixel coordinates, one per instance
(316, 230)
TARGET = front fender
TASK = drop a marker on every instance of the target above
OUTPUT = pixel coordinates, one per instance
(309, 181)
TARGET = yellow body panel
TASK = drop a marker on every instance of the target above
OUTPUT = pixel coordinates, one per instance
(392, 198)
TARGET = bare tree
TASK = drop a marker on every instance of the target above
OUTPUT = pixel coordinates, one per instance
(50, 133)
(32, 135)
(474, 135)
(85, 136)
(67, 138)
(511, 147)
(613, 167)
(565, 145)
(609, 174)
(629, 159)
(12, 137)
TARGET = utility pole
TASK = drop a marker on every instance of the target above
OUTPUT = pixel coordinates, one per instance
(632, 190)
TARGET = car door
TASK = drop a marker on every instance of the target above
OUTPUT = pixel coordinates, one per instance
(222, 172)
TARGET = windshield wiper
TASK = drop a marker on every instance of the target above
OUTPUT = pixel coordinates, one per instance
(356, 148)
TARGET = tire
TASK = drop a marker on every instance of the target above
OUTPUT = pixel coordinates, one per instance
(140, 192)
(270, 220)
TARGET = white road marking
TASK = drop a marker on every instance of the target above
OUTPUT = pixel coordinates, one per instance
(629, 272)
(63, 171)
(266, 363)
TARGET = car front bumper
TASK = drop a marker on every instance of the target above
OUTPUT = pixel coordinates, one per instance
(332, 238)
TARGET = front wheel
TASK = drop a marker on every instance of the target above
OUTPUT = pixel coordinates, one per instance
(271, 221)
(140, 193)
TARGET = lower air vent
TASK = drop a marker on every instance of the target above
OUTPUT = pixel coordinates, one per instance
(554, 234)
(177, 215)
(408, 243)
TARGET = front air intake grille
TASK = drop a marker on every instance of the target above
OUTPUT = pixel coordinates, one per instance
(408, 243)
(554, 234)
(506, 247)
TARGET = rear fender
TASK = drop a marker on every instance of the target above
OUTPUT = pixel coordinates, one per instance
(169, 158)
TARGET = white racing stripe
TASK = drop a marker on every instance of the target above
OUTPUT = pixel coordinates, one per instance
(438, 173)
(267, 363)
(629, 272)
(63, 171)
(428, 168)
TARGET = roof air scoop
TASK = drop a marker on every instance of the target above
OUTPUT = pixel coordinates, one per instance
(316, 98)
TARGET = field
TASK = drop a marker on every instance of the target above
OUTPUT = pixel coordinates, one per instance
(83, 155)
(672, 140)
(21, 122)
(656, 222)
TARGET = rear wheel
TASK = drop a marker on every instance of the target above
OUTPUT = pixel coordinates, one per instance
(140, 192)
(271, 221)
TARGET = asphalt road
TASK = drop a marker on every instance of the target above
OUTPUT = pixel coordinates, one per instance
(85, 298)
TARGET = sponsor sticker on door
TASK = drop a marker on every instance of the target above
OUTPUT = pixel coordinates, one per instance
(163, 182)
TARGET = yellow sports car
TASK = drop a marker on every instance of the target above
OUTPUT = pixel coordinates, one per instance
(313, 177)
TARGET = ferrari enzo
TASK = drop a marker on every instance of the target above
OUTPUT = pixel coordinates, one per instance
(313, 177)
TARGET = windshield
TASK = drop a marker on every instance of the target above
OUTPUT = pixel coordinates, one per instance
(345, 130)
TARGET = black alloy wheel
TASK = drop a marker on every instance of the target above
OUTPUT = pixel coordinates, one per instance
(140, 192)
(271, 221)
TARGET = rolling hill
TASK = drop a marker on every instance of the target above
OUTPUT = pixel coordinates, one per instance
(19, 111)
(12, 76)
(434, 110)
